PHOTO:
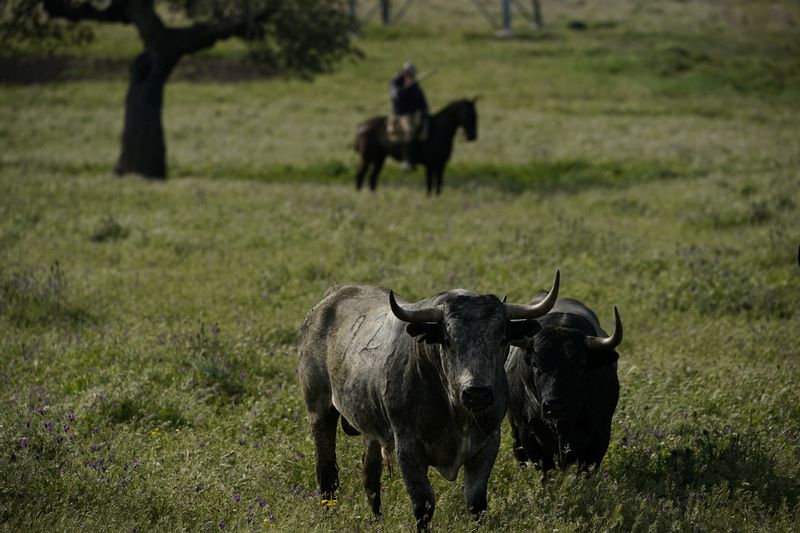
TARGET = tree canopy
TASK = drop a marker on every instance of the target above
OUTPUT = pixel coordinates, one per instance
(305, 36)
(302, 36)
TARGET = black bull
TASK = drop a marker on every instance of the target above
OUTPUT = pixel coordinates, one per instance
(424, 381)
(373, 145)
(563, 388)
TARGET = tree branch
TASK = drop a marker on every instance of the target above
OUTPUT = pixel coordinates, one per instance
(115, 12)
(142, 14)
(200, 36)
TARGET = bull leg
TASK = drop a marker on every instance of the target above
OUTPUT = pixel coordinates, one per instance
(541, 458)
(323, 429)
(415, 475)
(519, 450)
(361, 173)
(589, 461)
(373, 465)
(376, 169)
(476, 476)
(439, 178)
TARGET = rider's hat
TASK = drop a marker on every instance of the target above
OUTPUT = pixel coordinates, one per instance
(410, 68)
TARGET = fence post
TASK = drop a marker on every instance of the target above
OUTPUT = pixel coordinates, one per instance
(386, 12)
(505, 31)
(537, 14)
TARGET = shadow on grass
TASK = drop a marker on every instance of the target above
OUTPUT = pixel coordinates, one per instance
(32, 70)
(37, 296)
(711, 458)
(565, 176)
(548, 177)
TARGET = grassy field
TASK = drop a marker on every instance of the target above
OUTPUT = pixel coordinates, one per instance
(148, 360)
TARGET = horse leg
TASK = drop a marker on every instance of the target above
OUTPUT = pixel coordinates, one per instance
(439, 178)
(429, 178)
(376, 169)
(361, 173)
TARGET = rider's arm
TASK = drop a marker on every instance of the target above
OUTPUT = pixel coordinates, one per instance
(395, 86)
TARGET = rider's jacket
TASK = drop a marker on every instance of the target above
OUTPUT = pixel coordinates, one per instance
(406, 100)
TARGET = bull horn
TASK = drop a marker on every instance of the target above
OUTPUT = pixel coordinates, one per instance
(428, 314)
(607, 343)
(523, 311)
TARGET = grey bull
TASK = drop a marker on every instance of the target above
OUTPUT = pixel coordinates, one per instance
(424, 381)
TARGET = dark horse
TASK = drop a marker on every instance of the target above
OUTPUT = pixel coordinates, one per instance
(373, 145)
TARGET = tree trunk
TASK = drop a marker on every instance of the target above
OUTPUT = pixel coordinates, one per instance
(143, 149)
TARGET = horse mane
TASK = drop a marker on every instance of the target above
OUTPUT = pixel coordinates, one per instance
(449, 107)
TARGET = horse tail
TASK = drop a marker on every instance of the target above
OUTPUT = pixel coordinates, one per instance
(361, 131)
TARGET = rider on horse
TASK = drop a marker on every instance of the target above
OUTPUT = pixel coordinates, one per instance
(408, 122)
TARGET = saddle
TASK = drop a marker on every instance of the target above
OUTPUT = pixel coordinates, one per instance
(407, 128)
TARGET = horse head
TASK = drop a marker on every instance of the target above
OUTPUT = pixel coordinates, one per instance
(468, 118)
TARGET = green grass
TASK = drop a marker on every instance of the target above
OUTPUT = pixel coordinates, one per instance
(652, 158)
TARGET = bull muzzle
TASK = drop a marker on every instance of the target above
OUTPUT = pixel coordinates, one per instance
(477, 398)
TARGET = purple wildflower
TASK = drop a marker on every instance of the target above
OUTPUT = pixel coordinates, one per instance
(214, 328)
(236, 498)
(221, 524)
(66, 428)
(261, 502)
(24, 442)
(197, 488)
(71, 417)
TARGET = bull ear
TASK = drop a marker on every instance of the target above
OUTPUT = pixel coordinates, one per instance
(600, 358)
(427, 332)
(518, 330)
